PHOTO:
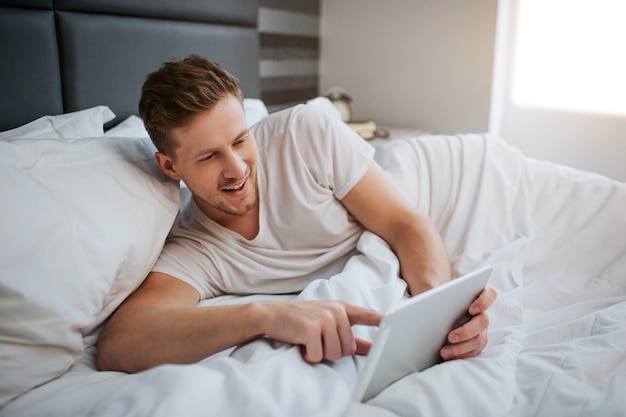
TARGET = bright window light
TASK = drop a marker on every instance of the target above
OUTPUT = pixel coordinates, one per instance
(571, 55)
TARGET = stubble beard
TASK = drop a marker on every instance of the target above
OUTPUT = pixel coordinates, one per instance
(250, 202)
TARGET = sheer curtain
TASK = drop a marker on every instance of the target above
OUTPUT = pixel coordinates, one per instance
(559, 87)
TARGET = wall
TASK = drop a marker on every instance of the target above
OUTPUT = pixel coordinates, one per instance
(290, 45)
(584, 138)
(429, 63)
(412, 63)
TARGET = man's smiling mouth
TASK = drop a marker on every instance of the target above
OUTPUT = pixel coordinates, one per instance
(236, 187)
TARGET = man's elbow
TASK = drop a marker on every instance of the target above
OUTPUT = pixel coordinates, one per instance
(109, 353)
(105, 358)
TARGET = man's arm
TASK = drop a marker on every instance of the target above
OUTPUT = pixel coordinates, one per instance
(380, 207)
(161, 323)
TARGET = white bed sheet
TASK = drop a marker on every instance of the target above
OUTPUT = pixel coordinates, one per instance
(557, 240)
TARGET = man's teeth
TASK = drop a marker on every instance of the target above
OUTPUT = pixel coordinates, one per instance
(235, 188)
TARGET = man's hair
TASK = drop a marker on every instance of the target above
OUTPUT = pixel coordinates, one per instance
(179, 90)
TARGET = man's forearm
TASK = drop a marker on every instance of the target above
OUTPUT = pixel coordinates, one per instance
(424, 261)
(141, 338)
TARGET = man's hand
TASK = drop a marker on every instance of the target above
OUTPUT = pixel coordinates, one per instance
(471, 338)
(322, 328)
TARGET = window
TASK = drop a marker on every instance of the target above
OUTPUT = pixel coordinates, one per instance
(569, 55)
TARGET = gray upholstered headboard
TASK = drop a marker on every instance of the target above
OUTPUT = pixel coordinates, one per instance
(65, 55)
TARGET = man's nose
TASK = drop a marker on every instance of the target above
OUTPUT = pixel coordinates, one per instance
(234, 166)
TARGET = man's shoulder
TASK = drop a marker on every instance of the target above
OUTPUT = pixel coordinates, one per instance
(297, 125)
(298, 115)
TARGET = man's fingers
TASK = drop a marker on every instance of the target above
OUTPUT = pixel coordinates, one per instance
(313, 349)
(348, 342)
(360, 315)
(468, 340)
(467, 349)
(324, 329)
(474, 327)
(362, 346)
(483, 301)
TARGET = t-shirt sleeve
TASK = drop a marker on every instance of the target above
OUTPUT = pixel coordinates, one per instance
(189, 258)
(336, 156)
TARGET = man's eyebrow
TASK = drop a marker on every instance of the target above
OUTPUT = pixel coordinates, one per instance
(244, 132)
(203, 152)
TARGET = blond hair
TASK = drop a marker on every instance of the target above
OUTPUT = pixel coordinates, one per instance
(179, 90)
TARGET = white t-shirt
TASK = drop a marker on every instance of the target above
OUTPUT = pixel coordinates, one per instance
(307, 162)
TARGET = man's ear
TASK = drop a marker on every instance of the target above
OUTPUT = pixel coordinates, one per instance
(166, 165)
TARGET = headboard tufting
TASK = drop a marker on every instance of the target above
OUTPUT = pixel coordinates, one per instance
(66, 55)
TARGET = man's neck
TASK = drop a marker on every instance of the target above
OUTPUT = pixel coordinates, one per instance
(246, 225)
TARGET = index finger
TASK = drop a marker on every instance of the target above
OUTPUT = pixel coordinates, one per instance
(362, 315)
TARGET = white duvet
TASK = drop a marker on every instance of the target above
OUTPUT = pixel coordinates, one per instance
(557, 240)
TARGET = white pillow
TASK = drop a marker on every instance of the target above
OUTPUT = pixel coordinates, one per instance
(82, 223)
(255, 110)
(86, 123)
(132, 127)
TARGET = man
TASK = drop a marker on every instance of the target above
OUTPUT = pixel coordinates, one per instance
(265, 217)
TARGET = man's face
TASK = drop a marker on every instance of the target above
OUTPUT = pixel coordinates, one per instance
(216, 157)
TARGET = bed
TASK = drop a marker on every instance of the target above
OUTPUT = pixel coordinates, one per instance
(86, 211)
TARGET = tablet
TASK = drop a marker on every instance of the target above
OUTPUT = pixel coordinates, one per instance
(411, 334)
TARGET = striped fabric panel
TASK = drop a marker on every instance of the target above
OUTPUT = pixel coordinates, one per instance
(290, 50)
